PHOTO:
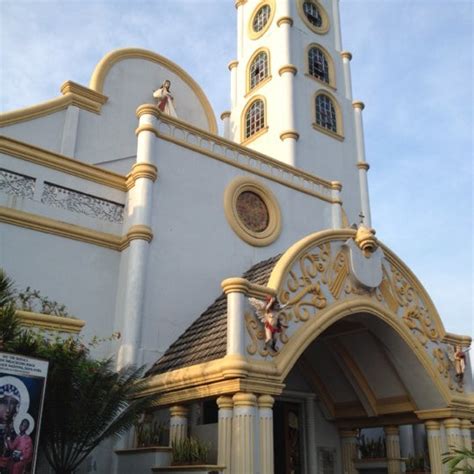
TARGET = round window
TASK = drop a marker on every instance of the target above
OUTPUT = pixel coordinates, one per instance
(313, 15)
(252, 211)
(261, 19)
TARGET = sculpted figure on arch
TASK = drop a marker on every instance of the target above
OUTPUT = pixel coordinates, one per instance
(165, 101)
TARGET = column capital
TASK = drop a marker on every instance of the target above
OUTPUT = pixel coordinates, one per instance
(391, 430)
(452, 423)
(346, 55)
(358, 104)
(225, 114)
(147, 109)
(225, 402)
(265, 401)
(179, 410)
(141, 170)
(466, 424)
(288, 68)
(363, 165)
(235, 285)
(289, 134)
(242, 399)
(348, 433)
(233, 64)
(432, 425)
(285, 20)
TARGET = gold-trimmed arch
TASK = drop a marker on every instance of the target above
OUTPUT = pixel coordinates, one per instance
(339, 134)
(332, 70)
(92, 98)
(248, 89)
(105, 64)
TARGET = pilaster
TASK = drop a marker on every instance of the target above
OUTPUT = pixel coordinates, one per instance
(224, 442)
(265, 416)
(243, 433)
(433, 435)
(392, 442)
(346, 65)
(453, 434)
(348, 451)
(178, 423)
(336, 188)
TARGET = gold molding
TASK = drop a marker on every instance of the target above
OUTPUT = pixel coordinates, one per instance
(242, 399)
(265, 401)
(465, 413)
(145, 127)
(245, 140)
(239, 3)
(346, 54)
(232, 64)
(358, 104)
(141, 170)
(289, 134)
(147, 109)
(72, 94)
(252, 34)
(232, 192)
(105, 64)
(452, 423)
(61, 229)
(285, 20)
(179, 410)
(225, 114)
(336, 185)
(137, 232)
(339, 135)
(225, 402)
(432, 425)
(242, 285)
(362, 165)
(266, 79)
(456, 339)
(324, 28)
(50, 322)
(52, 160)
(288, 68)
(332, 70)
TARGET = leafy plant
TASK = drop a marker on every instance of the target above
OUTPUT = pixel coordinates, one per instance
(190, 451)
(86, 400)
(460, 460)
(415, 463)
(33, 300)
(372, 448)
(148, 432)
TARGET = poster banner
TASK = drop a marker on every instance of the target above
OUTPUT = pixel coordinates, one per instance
(22, 387)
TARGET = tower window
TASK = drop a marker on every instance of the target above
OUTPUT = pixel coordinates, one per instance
(326, 113)
(258, 69)
(261, 18)
(254, 118)
(318, 64)
(313, 14)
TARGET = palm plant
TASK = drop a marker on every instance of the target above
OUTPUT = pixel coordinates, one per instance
(460, 460)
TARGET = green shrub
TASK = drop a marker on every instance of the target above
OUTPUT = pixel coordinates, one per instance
(190, 451)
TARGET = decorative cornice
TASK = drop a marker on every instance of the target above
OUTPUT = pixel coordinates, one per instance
(362, 165)
(50, 322)
(225, 115)
(147, 109)
(346, 54)
(289, 134)
(141, 170)
(462, 412)
(62, 163)
(456, 339)
(51, 226)
(285, 20)
(233, 64)
(72, 94)
(358, 104)
(288, 68)
(336, 185)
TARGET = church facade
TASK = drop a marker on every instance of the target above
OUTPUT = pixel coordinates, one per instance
(242, 269)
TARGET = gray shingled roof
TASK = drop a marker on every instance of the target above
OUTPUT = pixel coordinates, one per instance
(206, 338)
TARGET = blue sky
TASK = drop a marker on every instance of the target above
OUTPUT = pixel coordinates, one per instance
(412, 66)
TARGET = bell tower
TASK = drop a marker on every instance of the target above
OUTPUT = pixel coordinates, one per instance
(291, 94)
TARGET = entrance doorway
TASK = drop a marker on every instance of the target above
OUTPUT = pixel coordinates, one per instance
(288, 440)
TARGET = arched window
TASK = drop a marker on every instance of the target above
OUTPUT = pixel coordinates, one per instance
(326, 113)
(318, 64)
(261, 18)
(258, 69)
(254, 118)
(313, 14)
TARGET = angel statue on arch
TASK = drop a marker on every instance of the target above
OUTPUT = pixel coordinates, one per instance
(268, 312)
(165, 102)
(457, 355)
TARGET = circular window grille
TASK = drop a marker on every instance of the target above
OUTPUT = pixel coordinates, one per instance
(261, 18)
(314, 16)
(252, 211)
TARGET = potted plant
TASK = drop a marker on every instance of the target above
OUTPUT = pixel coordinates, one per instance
(415, 464)
(190, 451)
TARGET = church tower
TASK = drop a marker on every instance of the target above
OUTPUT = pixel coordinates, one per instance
(291, 94)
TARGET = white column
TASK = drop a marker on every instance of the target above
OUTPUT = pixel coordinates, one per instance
(235, 289)
(178, 423)
(240, 27)
(407, 444)
(337, 25)
(453, 434)
(336, 207)
(392, 442)
(346, 65)
(139, 235)
(266, 448)
(243, 433)
(71, 122)
(361, 163)
(233, 83)
(311, 433)
(348, 451)
(434, 446)
(225, 117)
(224, 440)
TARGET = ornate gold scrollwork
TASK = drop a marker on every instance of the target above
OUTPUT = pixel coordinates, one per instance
(419, 321)
(444, 368)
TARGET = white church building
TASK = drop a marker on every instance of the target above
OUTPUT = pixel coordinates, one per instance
(121, 200)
